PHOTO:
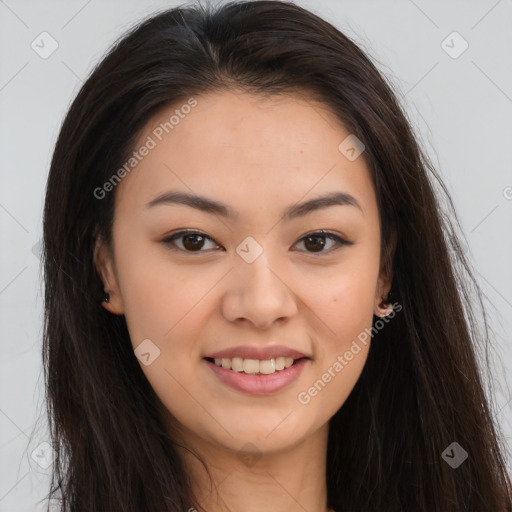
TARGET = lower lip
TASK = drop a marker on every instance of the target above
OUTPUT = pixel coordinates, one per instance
(259, 384)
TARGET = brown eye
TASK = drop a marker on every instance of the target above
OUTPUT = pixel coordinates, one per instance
(316, 242)
(192, 241)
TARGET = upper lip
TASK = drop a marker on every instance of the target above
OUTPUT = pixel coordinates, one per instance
(261, 353)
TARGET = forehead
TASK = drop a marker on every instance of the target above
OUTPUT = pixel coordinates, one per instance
(245, 150)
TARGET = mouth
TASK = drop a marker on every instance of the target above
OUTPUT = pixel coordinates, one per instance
(255, 366)
(251, 359)
(257, 377)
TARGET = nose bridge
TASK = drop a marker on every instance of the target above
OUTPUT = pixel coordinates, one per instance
(257, 268)
(258, 290)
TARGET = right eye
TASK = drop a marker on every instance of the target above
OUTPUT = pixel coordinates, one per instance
(193, 241)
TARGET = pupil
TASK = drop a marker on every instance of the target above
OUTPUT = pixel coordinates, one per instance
(194, 243)
(321, 245)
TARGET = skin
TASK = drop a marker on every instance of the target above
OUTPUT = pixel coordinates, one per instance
(258, 156)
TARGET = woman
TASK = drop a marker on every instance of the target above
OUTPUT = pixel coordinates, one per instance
(252, 299)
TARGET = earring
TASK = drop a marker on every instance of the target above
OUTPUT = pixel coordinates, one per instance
(385, 309)
(106, 297)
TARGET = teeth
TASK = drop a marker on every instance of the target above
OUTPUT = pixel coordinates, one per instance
(267, 366)
(252, 366)
(237, 364)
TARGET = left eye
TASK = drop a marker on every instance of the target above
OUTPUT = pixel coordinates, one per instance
(317, 240)
(193, 241)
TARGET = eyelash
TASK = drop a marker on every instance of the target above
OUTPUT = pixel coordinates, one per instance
(324, 234)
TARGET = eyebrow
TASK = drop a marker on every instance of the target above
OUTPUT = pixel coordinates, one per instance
(213, 207)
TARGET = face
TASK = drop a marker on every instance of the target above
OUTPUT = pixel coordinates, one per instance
(245, 274)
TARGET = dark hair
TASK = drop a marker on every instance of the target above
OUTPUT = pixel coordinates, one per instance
(420, 389)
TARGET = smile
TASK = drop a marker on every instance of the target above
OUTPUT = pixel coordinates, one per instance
(257, 377)
(255, 366)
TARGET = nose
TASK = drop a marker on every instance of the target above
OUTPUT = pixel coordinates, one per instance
(258, 294)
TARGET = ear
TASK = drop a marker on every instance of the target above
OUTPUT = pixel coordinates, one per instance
(385, 280)
(104, 262)
(381, 306)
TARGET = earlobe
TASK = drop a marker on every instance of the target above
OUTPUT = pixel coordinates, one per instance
(103, 261)
(111, 310)
(384, 307)
(105, 302)
(383, 300)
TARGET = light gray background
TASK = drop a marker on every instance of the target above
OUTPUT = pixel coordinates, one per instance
(460, 107)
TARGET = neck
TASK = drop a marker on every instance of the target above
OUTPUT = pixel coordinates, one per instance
(290, 480)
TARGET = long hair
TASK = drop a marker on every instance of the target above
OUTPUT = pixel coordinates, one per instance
(421, 388)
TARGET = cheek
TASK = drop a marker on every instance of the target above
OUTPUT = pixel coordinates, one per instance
(341, 347)
(161, 299)
(345, 305)
(164, 304)
(345, 302)
(336, 378)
